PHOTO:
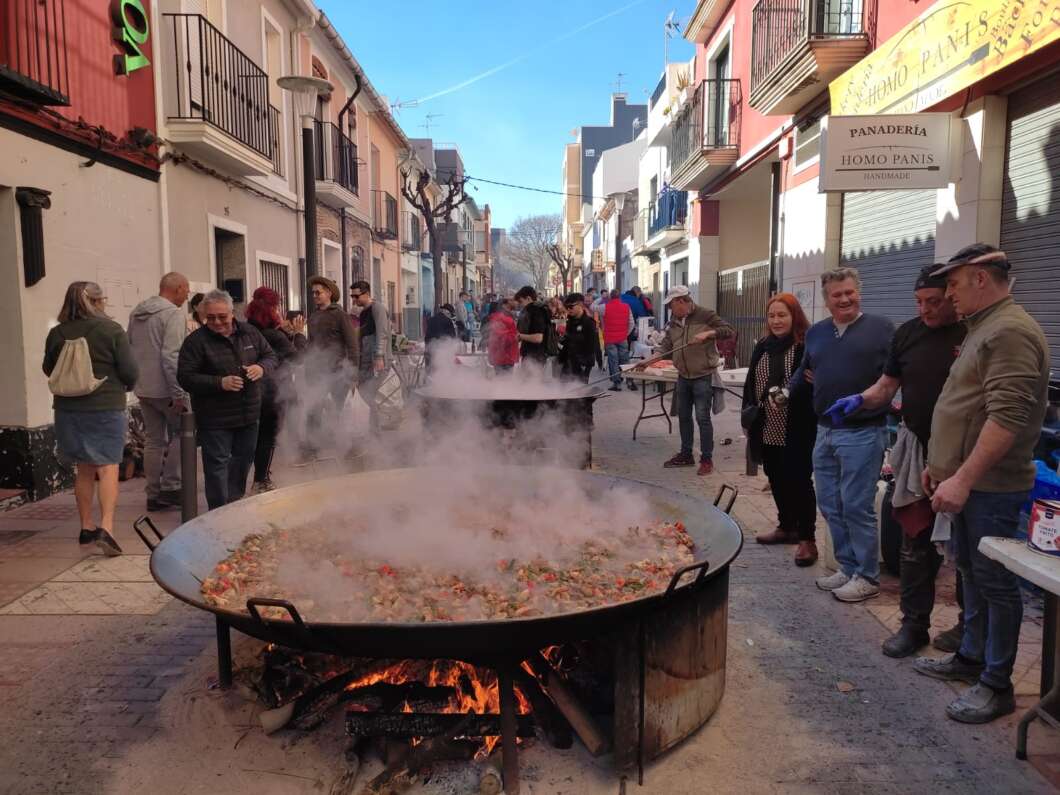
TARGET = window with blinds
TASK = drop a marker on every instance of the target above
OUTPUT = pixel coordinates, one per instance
(274, 275)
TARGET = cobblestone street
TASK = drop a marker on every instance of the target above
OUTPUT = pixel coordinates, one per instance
(106, 682)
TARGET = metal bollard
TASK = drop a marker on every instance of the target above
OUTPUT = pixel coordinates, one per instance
(189, 476)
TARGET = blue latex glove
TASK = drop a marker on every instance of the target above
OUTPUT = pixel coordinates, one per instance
(843, 408)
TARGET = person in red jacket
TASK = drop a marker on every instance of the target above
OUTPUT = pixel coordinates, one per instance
(503, 347)
(617, 323)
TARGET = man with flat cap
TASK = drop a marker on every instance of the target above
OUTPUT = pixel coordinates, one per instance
(980, 470)
(921, 353)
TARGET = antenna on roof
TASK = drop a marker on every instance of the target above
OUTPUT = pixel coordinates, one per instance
(397, 104)
(618, 82)
(671, 26)
(427, 121)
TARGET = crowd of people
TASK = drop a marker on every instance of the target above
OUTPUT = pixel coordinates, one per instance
(971, 367)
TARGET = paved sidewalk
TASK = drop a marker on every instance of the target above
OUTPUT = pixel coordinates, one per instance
(105, 680)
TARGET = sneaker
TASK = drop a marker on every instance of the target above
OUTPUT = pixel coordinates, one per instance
(981, 704)
(951, 668)
(172, 496)
(615, 388)
(950, 640)
(262, 486)
(680, 460)
(88, 536)
(905, 641)
(106, 543)
(631, 386)
(858, 589)
(705, 468)
(832, 581)
(153, 506)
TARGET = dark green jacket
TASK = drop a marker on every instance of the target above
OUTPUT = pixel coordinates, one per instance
(112, 359)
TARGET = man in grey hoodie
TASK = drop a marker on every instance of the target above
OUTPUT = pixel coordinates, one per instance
(375, 346)
(157, 329)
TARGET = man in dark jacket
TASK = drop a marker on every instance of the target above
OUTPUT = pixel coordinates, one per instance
(222, 366)
(581, 344)
(535, 324)
(332, 358)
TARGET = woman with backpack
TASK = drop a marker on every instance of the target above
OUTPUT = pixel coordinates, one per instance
(90, 367)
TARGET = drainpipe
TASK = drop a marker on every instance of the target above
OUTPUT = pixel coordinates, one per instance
(342, 213)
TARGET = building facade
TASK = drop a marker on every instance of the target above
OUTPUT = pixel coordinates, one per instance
(80, 199)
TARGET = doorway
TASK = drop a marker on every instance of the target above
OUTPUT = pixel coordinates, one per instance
(230, 255)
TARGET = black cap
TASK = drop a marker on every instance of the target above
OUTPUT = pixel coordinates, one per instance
(976, 254)
(929, 277)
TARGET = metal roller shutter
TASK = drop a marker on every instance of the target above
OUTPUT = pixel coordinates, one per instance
(1030, 205)
(888, 236)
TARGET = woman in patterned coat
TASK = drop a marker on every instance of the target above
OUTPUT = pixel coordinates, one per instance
(783, 433)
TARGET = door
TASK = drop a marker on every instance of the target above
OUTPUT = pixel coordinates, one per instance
(718, 100)
(1030, 205)
(888, 236)
(742, 296)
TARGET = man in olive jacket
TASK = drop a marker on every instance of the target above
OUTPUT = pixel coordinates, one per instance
(980, 470)
(699, 329)
(332, 359)
(221, 366)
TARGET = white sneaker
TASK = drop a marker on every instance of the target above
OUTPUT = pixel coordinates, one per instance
(832, 581)
(857, 590)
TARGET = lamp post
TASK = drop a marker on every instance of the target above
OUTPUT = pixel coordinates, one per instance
(620, 202)
(304, 92)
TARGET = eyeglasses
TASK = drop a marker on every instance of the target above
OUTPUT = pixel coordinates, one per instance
(217, 318)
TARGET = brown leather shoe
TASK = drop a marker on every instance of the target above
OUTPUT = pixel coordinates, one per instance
(806, 554)
(778, 536)
(706, 467)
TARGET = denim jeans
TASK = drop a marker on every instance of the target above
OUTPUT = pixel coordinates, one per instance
(846, 468)
(161, 446)
(698, 394)
(993, 606)
(227, 454)
(617, 354)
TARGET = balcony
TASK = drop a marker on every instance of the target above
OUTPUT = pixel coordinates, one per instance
(384, 215)
(217, 99)
(662, 223)
(34, 64)
(335, 157)
(664, 102)
(411, 231)
(706, 134)
(799, 46)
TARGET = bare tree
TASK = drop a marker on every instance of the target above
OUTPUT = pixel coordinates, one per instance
(528, 246)
(434, 212)
(563, 259)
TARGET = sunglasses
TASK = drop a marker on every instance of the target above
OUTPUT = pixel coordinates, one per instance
(355, 295)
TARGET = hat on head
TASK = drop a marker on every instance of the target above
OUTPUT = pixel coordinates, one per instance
(977, 254)
(929, 278)
(678, 291)
(324, 281)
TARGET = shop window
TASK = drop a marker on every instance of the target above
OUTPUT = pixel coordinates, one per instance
(807, 143)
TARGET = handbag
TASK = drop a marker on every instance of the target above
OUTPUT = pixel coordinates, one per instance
(72, 375)
(750, 415)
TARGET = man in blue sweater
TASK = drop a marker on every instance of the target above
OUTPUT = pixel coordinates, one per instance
(844, 356)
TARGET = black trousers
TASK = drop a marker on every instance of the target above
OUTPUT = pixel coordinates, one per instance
(920, 567)
(268, 429)
(790, 473)
(578, 369)
(226, 457)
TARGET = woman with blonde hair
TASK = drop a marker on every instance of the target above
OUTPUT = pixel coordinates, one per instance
(90, 422)
(782, 427)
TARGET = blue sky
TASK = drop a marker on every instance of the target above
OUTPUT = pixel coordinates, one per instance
(510, 126)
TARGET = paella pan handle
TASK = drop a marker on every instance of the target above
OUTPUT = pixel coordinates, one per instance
(254, 602)
(733, 494)
(702, 567)
(138, 527)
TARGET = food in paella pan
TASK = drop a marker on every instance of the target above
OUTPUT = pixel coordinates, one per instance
(328, 579)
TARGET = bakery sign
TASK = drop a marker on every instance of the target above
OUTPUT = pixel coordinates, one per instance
(951, 46)
(910, 152)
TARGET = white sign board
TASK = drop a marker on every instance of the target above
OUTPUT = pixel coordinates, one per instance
(891, 152)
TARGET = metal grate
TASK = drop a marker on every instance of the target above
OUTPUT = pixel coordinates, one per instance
(709, 120)
(335, 156)
(275, 276)
(384, 214)
(742, 296)
(34, 52)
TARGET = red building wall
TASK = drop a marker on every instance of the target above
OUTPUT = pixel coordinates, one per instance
(98, 96)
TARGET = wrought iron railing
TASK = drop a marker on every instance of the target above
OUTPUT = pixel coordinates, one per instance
(219, 84)
(412, 231)
(710, 119)
(335, 156)
(668, 211)
(34, 57)
(384, 214)
(277, 150)
(779, 27)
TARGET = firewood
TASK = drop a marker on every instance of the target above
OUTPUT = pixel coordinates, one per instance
(581, 721)
(553, 725)
(430, 724)
(401, 775)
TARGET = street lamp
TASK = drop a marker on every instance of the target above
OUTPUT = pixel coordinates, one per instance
(620, 202)
(304, 93)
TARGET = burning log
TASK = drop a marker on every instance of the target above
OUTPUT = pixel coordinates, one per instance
(582, 722)
(553, 725)
(401, 775)
(387, 697)
(406, 725)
